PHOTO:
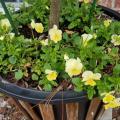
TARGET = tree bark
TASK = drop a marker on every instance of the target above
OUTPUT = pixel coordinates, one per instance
(54, 13)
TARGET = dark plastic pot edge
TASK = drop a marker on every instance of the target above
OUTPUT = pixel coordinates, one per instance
(110, 12)
(34, 96)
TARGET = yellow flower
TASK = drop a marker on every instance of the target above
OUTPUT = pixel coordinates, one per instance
(55, 34)
(89, 78)
(107, 23)
(86, 38)
(11, 35)
(2, 38)
(86, 1)
(44, 42)
(37, 26)
(90, 82)
(5, 24)
(116, 39)
(73, 67)
(66, 57)
(113, 104)
(51, 74)
(94, 36)
(108, 98)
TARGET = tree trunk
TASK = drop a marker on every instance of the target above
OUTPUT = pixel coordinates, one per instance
(54, 13)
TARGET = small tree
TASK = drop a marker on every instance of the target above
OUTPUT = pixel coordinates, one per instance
(54, 13)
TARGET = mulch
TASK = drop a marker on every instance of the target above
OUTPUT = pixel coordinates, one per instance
(8, 111)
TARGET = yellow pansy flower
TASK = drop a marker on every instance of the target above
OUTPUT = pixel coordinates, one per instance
(110, 101)
(108, 98)
(5, 24)
(37, 26)
(94, 36)
(90, 82)
(86, 1)
(86, 38)
(44, 42)
(55, 34)
(89, 78)
(11, 35)
(2, 38)
(107, 23)
(73, 67)
(51, 74)
(113, 104)
(116, 39)
(66, 57)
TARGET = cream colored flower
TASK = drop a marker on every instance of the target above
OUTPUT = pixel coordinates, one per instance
(116, 39)
(51, 74)
(47, 7)
(44, 42)
(55, 34)
(66, 57)
(2, 38)
(37, 26)
(11, 35)
(94, 36)
(107, 23)
(89, 78)
(86, 38)
(33, 24)
(73, 67)
(5, 24)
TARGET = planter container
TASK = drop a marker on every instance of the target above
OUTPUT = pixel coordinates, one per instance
(65, 105)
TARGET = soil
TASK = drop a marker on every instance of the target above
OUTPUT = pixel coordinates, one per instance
(28, 32)
(8, 111)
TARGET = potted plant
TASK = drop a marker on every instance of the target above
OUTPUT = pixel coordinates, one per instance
(75, 60)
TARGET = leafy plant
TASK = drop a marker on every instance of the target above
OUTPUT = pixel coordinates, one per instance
(84, 54)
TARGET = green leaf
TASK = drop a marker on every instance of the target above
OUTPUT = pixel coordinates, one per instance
(54, 83)
(18, 75)
(47, 87)
(78, 88)
(90, 92)
(12, 60)
(47, 66)
(72, 25)
(76, 81)
(34, 76)
(65, 36)
(116, 69)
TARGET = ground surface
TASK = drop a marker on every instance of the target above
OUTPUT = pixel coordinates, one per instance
(8, 111)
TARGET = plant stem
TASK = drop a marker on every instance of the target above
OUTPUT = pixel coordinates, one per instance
(9, 16)
(54, 13)
(92, 10)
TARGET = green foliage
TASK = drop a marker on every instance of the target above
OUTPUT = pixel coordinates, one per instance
(35, 77)
(78, 84)
(18, 75)
(30, 59)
